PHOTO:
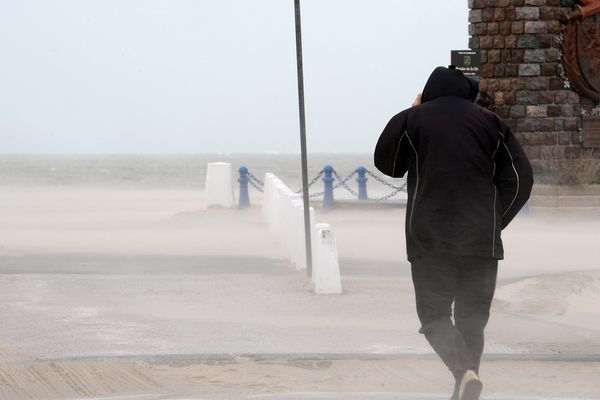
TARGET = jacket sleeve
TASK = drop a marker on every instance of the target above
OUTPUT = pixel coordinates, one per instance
(513, 175)
(392, 148)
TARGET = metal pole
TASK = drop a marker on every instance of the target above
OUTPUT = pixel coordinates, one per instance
(307, 227)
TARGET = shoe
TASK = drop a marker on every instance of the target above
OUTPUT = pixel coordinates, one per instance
(470, 386)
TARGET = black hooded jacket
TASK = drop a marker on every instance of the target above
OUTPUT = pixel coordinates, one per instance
(468, 176)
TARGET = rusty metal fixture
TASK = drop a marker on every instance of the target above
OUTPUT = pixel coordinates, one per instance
(581, 50)
(586, 8)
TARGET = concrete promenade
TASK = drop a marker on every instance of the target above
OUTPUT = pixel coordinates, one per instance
(215, 327)
(146, 297)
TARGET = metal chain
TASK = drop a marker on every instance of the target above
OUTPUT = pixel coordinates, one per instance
(258, 181)
(256, 185)
(387, 196)
(384, 182)
(395, 189)
(259, 185)
(342, 182)
(255, 182)
(314, 180)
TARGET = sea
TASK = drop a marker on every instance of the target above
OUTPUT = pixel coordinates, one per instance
(174, 170)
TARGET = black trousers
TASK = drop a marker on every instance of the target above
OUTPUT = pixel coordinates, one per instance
(469, 282)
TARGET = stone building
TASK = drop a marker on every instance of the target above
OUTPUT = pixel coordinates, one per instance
(521, 44)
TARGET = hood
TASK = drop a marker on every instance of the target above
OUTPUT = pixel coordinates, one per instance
(449, 82)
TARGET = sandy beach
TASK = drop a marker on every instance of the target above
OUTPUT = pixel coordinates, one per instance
(140, 292)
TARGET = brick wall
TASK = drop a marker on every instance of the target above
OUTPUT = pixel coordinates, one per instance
(521, 71)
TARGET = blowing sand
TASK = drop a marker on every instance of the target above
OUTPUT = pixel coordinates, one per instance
(110, 292)
(567, 298)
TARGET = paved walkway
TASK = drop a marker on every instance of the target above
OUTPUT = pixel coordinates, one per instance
(348, 396)
(266, 377)
(134, 303)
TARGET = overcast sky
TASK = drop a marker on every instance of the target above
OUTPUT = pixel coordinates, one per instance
(202, 76)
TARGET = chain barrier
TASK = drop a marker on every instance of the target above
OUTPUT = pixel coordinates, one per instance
(318, 194)
(256, 186)
(387, 196)
(340, 182)
(395, 189)
(312, 182)
(256, 183)
(386, 183)
(343, 182)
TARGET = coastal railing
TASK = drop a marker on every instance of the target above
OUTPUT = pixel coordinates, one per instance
(331, 181)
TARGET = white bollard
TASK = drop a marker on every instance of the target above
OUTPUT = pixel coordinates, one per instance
(271, 211)
(284, 213)
(281, 216)
(290, 225)
(297, 233)
(275, 209)
(284, 222)
(302, 240)
(267, 194)
(274, 206)
(272, 202)
(218, 190)
(326, 271)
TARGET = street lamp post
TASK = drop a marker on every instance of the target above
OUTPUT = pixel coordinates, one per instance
(307, 227)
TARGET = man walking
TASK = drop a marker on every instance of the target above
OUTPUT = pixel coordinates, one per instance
(468, 177)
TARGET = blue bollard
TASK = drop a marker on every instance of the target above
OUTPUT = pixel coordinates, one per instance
(362, 183)
(328, 183)
(243, 180)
